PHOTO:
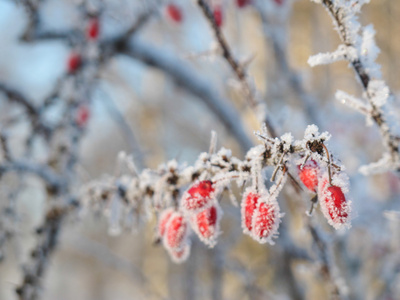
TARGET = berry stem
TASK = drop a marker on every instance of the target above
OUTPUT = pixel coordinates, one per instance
(279, 165)
(329, 163)
(284, 169)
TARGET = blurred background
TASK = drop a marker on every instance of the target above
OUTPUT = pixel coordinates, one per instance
(169, 122)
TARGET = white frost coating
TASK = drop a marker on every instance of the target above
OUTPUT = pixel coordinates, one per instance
(342, 53)
(247, 209)
(266, 220)
(181, 255)
(178, 236)
(383, 165)
(353, 102)
(312, 133)
(287, 140)
(213, 142)
(225, 152)
(275, 189)
(337, 214)
(370, 52)
(378, 92)
(207, 235)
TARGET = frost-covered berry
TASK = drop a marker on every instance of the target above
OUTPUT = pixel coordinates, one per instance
(308, 174)
(206, 224)
(82, 115)
(180, 256)
(266, 221)
(242, 3)
(174, 12)
(93, 29)
(248, 206)
(74, 62)
(334, 205)
(198, 196)
(218, 16)
(176, 232)
(163, 220)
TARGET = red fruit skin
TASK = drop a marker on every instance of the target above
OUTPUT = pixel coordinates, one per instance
(180, 256)
(206, 222)
(264, 220)
(309, 175)
(242, 3)
(174, 12)
(218, 16)
(198, 196)
(249, 205)
(337, 210)
(163, 221)
(176, 232)
(82, 115)
(74, 62)
(93, 29)
(334, 205)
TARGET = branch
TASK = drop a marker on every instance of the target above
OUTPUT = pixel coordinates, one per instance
(235, 66)
(342, 17)
(53, 181)
(34, 113)
(187, 77)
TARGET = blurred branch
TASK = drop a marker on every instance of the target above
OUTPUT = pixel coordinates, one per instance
(187, 77)
(48, 234)
(34, 113)
(52, 180)
(340, 15)
(328, 270)
(126, 129)
(273, 38)
(236, 67)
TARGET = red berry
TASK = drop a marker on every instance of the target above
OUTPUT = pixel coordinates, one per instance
(309, 175)
(242, 3)
(163, 220)
(249, 204)
(180, 256)
(174, 12)
(199, 196)
(266, 221)
(93, 29)
(82, 115)
(206, 224)
(74, 62)
(334, 206)
(218, 15)
(278, 2)
(176, 232)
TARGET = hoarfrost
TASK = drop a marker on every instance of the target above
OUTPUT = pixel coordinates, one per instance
(353, 102)
(378, 92)
(342, 53)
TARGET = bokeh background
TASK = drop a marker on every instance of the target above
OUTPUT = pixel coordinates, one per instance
(168, 122)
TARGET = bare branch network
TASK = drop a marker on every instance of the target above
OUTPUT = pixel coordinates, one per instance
(41, 145)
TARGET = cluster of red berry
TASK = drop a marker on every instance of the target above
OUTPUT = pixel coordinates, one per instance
(331, 198)
(92, 33)
(75, 62)
(260, 216)
(174, 12)
(199, 211)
